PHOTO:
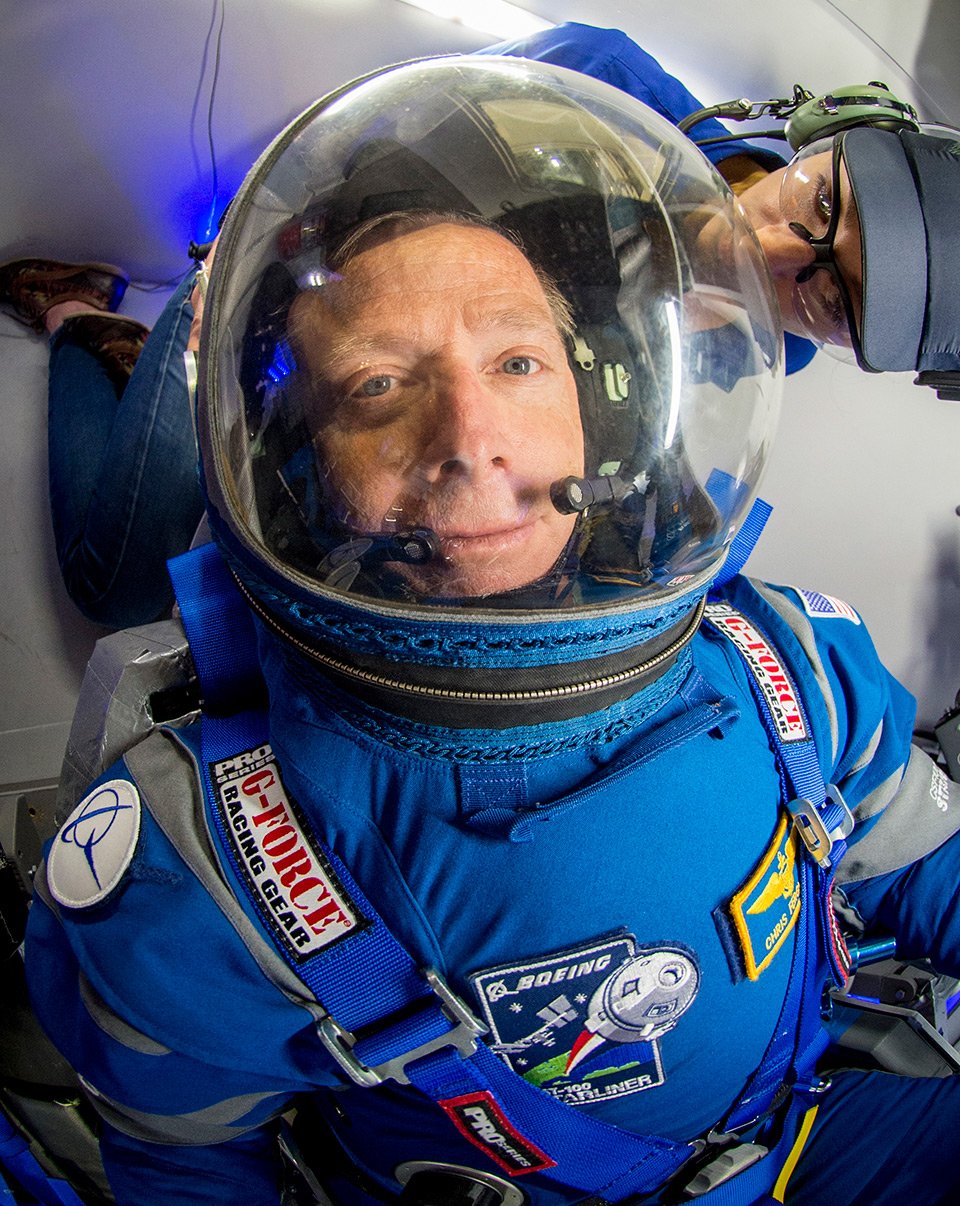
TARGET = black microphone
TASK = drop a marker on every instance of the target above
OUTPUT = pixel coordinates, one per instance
(571, 495)
(341, 565)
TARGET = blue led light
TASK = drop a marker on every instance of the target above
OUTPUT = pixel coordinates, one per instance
(282, 364)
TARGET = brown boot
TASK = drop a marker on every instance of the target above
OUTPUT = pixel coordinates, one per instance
(114, 339)
(28, 288)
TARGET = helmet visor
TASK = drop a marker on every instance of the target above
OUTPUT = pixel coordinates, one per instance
(483, 330)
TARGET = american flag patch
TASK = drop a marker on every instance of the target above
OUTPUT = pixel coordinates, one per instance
(826, 607)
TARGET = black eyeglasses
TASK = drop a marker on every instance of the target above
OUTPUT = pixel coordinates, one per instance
(821, 297)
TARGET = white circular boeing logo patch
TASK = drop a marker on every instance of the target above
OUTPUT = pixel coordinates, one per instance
(94, 848)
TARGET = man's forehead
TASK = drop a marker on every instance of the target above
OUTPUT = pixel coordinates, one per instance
(434, 250)
(333, 333)
(456, 274)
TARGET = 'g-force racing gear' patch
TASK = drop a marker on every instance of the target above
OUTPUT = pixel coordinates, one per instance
(765, 664)
(585, 1024)
(292, 884)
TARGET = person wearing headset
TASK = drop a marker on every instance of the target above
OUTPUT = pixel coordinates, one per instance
(113, 442)
(506, 849)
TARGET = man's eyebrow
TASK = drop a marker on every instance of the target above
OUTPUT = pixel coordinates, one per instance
(523, 319)
(355, 350)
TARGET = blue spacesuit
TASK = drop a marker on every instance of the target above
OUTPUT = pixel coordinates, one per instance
(181, 1046)
(505, 845)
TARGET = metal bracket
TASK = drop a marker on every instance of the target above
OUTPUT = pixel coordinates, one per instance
(463, 1035)
(809, 824)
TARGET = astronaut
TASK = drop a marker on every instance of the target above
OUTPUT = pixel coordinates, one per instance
(509, 888)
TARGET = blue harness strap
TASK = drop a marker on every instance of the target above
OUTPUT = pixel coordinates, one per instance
(20, 1163)
(745, 540)
(822, 821)
(219, 628)
(389, 1019)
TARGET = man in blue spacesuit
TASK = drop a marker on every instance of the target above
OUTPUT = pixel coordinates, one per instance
(503, 851)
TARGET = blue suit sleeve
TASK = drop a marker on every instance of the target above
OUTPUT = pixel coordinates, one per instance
(609, 55)
(918, 904)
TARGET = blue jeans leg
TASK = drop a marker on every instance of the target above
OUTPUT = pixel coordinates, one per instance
(124, 494)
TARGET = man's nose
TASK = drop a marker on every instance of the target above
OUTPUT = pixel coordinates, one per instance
(786, 252)
(467, 430)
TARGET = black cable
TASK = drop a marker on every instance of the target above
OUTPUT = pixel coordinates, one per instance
(215, 183)
(740, 136)
(173, 281)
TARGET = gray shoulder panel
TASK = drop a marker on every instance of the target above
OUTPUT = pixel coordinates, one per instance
(168, 780)
(922, 813)
(117, 1028)
(216, 1124)
(114, 710)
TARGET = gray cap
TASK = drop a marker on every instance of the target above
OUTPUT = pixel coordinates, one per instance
(907, 189)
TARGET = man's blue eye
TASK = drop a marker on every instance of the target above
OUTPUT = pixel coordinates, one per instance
(375, 386)
(520, 366)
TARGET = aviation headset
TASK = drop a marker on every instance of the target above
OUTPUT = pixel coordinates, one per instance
(808, 118)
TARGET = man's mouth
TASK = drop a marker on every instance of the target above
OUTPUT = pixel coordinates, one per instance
(491, 537)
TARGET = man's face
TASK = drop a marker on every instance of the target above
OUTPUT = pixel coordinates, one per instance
(788, 253)
(444, 400)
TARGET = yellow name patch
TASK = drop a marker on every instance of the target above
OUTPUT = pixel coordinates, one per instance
(766, 908)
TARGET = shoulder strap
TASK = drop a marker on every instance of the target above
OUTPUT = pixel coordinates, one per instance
(745, 540)
(219, 627)
(820, 814)
(822, 821)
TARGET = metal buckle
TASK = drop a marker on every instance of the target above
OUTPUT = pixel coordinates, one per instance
(463, 1036)
(510, 1195)
(727, 1163)
(808, 822)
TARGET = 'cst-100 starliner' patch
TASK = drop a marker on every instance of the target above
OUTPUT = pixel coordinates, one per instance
(586, 1024)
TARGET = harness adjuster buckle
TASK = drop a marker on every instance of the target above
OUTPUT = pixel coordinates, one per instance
(810, 823)
(463, 1035)
(732, 1157)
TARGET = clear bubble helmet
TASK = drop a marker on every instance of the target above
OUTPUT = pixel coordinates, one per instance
(489, 371)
